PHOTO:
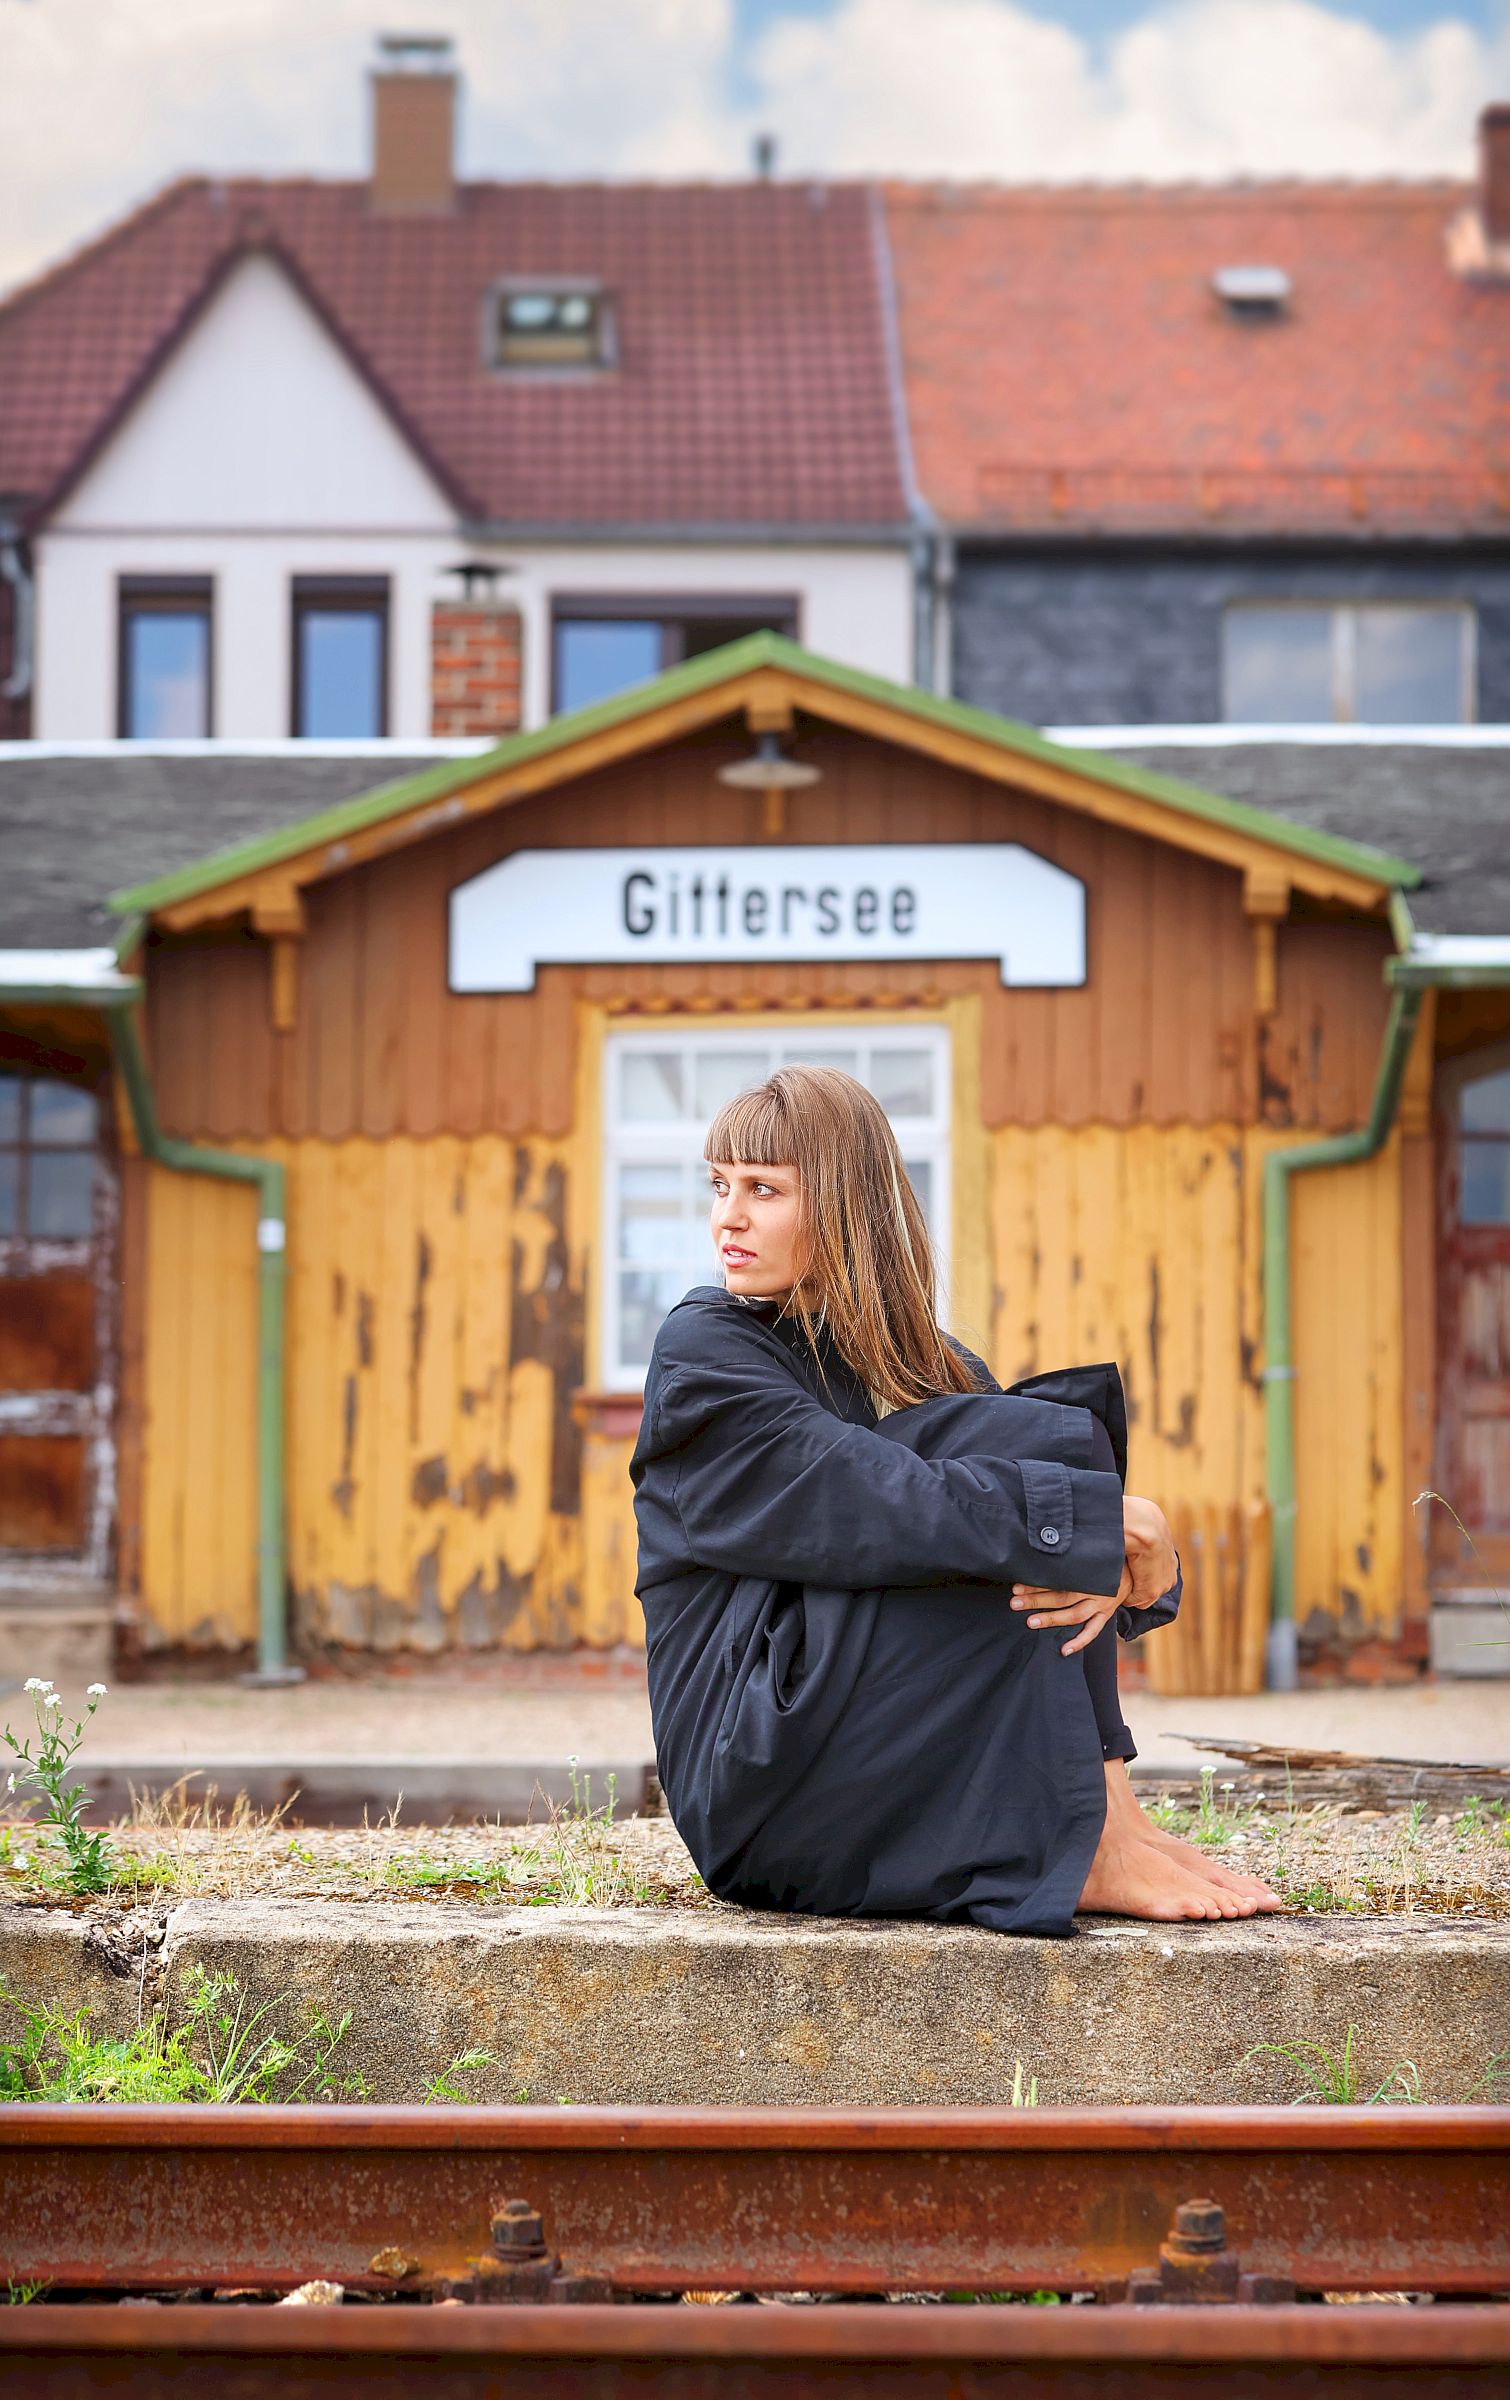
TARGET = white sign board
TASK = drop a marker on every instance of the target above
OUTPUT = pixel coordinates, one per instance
(899, 900)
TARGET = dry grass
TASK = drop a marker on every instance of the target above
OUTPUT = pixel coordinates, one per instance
(183, 1844)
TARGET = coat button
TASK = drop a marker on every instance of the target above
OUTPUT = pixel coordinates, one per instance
(1048, 1533)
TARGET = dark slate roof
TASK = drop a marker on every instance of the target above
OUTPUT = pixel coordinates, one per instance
(1445, 809)
(73, 828)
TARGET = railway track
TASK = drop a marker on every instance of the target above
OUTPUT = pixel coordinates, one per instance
(143, 2227)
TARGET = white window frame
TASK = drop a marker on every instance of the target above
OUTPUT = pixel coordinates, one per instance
(1344, 647)
(628, 1142)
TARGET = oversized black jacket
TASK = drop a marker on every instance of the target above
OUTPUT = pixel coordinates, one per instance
(849, 1717)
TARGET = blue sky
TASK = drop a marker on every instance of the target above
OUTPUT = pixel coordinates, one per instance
(1094, 19)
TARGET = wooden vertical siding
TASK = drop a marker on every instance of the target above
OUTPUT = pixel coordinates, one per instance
(444, 1188)
(1145, 1246)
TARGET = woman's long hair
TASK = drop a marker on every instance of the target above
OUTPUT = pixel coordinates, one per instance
(868, 1269)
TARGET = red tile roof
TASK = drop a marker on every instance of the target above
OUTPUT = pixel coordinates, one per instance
(751, 385)
(1069, 368)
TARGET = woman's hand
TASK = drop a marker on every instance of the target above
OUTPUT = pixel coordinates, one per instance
(1093, 1610)
(1149, 1569)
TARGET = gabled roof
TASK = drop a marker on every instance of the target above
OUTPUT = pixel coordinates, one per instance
(1069, 367)
(751, 386)
(762, 672)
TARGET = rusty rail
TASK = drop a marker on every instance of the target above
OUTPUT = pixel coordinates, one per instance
(757, 2200)
(910, 2352)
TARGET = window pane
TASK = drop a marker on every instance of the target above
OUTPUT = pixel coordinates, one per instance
(1485, 1198)
(847, 1061)
(596, 657)
(62, 1113)
(920, 1176)
(61, 1193)
(902, 1081)
(167, 674)
(340, 672)
(1277, 666)
(654, 1215)
(652, 1087)
(1410, 666)
(10, 1192)
(10, 1108)
(1485, 1104)
(718, 1074)
(645, 1298)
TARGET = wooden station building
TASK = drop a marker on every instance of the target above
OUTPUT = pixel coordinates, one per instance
(453, 1044)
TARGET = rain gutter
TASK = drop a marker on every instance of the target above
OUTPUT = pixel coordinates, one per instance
(1423, 962)
(118, 996)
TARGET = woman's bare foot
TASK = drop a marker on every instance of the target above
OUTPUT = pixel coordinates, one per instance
(1133, 1878)
(1123, 1809)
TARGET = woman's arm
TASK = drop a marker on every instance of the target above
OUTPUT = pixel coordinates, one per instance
(766, 1481)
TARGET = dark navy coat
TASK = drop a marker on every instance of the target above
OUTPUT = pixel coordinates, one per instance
(849, 1717)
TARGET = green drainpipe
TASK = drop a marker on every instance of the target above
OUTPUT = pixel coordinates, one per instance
(1337, 1150)
(196, 1158)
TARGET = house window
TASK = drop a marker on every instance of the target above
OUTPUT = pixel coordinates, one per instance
(47, 1144)
(1484, 1150)
(661, 1089)
(1377, 663)
(340, 676)
(602, 646)
(565, 323)
(163, 658)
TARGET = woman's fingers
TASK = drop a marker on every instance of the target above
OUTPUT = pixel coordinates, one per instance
(1083, 1641)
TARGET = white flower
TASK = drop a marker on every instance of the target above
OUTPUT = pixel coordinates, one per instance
(1229, 1787)
(20, 1859)
(10, 1783)
(36, 1683)
(96, 1691)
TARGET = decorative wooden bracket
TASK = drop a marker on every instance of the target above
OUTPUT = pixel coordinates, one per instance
(1266, 902)
(1416, 1088)
(278, 915)
(770, 712)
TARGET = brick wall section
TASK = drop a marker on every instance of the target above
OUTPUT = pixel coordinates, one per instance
(474, 667)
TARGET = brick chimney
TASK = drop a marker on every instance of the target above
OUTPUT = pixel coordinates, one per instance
(413, 126)
(1494, 170)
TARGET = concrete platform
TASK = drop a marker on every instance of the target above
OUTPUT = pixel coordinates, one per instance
(662, 2006)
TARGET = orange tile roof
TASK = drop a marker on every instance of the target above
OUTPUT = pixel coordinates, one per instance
(751, 386)
(1069, 368)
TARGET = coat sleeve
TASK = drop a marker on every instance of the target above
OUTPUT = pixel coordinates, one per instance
(766, 1481)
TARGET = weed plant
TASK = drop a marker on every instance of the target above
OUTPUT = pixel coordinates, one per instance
(221, 2049)
(45, 1771)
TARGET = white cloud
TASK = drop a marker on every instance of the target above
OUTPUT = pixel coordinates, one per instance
(102, 100)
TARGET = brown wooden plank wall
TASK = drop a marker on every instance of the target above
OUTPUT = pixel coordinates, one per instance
(1162, 1033)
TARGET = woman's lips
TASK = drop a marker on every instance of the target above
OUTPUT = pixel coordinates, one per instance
(738, 1258)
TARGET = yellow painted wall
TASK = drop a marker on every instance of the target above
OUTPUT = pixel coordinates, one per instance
(439, 1492)
(1144, 1245)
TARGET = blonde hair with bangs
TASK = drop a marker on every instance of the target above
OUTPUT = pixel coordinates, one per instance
(868, 1274)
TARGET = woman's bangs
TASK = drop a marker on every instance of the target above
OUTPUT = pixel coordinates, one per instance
(751, 1131)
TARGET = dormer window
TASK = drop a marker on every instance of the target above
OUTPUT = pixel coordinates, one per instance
(1256, 294)
(561, 323)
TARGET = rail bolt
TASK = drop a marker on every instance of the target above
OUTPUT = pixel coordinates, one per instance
(518, 2232)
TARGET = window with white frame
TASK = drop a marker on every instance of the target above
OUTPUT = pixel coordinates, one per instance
(660, 1090)
(1365, 663)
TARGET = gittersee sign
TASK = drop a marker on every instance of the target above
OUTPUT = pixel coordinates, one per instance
(922, 900)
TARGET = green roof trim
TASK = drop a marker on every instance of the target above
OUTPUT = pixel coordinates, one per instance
(450, 776)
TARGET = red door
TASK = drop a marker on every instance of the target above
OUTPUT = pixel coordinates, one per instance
(1474, 1321)
(54, 1396)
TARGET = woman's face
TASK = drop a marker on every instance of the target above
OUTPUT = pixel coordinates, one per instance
(754, 1225)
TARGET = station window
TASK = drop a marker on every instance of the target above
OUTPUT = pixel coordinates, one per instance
(1378, 663)
(163, 671)
(47, 1139)
(340, 663)
(1484, 1150)
(661, 1089)
(602, 646)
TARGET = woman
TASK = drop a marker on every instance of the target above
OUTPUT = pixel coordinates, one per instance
(859, 1560)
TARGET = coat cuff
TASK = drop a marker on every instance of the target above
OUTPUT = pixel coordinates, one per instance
(1133, 1622)
(1074, 1526)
